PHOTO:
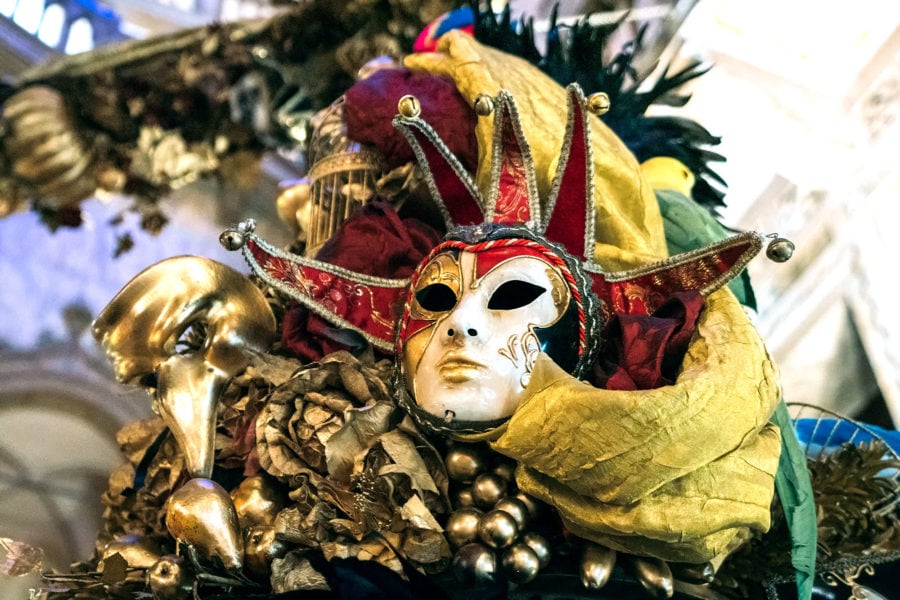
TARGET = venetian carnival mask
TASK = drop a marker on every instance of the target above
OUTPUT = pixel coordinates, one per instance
(183, 328)
(514, 277)
(473, 334)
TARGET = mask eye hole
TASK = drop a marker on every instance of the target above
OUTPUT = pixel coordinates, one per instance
(436, 297)
(192, 338)
(514, 294)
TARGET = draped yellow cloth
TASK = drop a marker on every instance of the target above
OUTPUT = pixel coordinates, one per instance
(674, 472)
(678, 472)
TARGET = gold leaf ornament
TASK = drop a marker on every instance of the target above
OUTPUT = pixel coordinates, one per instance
(44, 148)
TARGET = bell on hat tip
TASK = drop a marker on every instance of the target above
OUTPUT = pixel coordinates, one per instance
(409, 106)
(780, 249)
(231, 239)
(484, 105)
(598, 103)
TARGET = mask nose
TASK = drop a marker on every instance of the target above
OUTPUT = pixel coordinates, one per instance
(466, 323)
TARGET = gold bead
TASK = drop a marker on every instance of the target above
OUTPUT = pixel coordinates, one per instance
(497, 529)
(540, 545)
(464, 498)
(488, 489)
(409, 106)
(465, 463)
(506, 470)
(474, 563)
(462, 526)
(598, 103)
(484, 105)
(520, 563)
(780, 250)
(515, 508)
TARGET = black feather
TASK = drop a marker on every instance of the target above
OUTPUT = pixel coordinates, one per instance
(576, 53)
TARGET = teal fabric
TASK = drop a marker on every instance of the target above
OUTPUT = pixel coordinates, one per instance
(689, 226)
(794, 489)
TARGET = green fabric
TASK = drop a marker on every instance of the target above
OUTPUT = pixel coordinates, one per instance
(794, 489)
(689, 226)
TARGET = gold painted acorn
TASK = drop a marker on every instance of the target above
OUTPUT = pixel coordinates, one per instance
(201, 514)
(655, 575)
(597, 564)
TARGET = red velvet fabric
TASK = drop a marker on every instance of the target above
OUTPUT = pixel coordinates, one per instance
(644, 352)
(371, 104)
(373, 241)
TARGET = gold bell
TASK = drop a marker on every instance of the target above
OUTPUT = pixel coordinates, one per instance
(598, 103)
(409, 106)
(780, 249)
(484, 105)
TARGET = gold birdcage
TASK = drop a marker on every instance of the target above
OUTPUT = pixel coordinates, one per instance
(342, 175)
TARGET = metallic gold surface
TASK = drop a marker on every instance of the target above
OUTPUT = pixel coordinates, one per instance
(597, 563)
(183, 327)
(598, 103)
(409, 107)
(474, 563)
(261, 547)
(540, 546)
(780, 250)
(138, 551)
(655, 575)
(520, 563)
(201, 514)
(462, 526)
(257, 501)
(43, 146)
(170, 578)
(465, 463)
(514, 508)
(488, 489)
(484, 105)
(497, 529)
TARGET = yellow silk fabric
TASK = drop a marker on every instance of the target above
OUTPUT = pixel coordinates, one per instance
(674, 472)
(627, 215)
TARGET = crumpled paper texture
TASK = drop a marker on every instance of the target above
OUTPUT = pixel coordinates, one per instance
(674, 472)
(629, 228)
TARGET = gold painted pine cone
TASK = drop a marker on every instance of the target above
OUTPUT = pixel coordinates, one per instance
(43, 147)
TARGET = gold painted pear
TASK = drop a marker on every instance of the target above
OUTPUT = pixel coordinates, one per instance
(201, 514)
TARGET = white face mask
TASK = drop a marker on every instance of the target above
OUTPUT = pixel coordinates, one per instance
(474, 361)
